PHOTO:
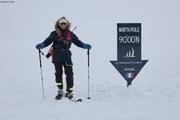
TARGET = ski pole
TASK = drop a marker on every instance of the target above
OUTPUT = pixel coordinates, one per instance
(40, 52)
(88, 77)
(74, 28)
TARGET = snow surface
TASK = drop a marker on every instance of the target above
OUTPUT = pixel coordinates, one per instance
(154, 94)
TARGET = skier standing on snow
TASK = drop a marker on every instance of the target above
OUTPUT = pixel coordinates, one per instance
(62, 38)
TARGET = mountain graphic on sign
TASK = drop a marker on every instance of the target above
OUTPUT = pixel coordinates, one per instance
(130, 53)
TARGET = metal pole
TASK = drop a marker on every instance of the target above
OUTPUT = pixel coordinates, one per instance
(40, 52)
(88, 77)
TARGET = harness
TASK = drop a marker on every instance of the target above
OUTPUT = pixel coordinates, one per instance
(68, 36)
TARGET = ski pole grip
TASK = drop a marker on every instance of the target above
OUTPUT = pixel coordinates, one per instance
(40, 58)
(48, 55)
(88, 56)
(88, 52)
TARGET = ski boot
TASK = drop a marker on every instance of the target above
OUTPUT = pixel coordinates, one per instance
(59, 95)
(69, 95)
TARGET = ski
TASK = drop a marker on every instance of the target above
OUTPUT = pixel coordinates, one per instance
(61, 95)
(75, 100)
(71, 99)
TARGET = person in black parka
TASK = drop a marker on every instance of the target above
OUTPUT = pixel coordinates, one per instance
(61, 39)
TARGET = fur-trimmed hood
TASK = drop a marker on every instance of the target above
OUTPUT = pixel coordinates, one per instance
(57, 27)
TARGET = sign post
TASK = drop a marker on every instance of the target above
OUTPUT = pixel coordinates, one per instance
(129, 61)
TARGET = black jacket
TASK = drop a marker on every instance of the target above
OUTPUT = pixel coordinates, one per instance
(61, 45)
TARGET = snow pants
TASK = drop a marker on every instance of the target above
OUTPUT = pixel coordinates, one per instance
(68, 69)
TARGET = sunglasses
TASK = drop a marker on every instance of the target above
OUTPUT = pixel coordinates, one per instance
(63, 23)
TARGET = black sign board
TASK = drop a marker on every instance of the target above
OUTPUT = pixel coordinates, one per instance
(129, 61)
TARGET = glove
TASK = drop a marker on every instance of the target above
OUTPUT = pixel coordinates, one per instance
(40, 46)
(87, 46)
